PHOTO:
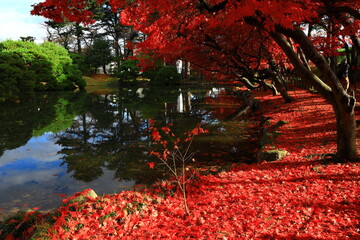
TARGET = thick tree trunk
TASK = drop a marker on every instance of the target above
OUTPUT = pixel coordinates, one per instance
(329, 87)
(343, 103)
(346, 132)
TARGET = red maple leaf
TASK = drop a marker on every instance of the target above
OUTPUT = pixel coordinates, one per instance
(155, 135)
(151, 164)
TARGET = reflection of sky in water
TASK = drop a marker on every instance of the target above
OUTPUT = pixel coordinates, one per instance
(32, 175)
(39, 148)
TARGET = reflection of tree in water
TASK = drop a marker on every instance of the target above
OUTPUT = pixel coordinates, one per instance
(35, 115)
(79, 149)
(108, 131)
(113, 134)
(108, 136)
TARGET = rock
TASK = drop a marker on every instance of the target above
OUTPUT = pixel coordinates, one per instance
(82, 196)
(271, 155)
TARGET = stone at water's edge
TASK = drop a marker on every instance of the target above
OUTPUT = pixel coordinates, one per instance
(271, 155)
(83, 196)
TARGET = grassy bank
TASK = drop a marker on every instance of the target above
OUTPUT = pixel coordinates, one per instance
(101, 84)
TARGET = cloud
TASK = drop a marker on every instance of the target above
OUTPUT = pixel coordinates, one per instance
(43, 152)
(37, 175)
(16, 22)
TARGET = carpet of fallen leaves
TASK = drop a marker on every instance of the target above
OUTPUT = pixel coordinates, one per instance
(299, 197)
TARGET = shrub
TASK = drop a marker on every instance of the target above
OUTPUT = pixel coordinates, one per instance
(74, 77)
(2, 47)
(38, 67)
(80, 61)
(150, 74)
(167, 75)
(24, 224)
(128, 70)
(15, 77)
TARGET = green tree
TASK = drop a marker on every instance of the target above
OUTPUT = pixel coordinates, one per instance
(128, 70)
(67, 34)
(108, 22)
(80, 61)
(27, 39)
(99, 55)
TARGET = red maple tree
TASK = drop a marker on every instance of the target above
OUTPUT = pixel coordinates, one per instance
(230, 39)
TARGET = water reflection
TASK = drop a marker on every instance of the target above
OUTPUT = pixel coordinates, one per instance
(61, 144)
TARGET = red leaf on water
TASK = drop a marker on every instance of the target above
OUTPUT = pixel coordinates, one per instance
(155, 135)
(60, 195)
(166, 129)
(151, 164)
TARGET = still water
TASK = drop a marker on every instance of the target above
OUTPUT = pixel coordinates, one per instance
(54, 144)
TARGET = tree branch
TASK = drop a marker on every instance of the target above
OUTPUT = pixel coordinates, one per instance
(343, 9)
(305, 74)
(203, 4)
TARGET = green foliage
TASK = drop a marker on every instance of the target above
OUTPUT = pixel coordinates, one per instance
(128, 70)
(36, 115)
(150, 74)
(80, 61)
(2, 47)
(27, 66)
(14, 76)
(63, 119)
(74, 77)
(167, 75)
(99, 54)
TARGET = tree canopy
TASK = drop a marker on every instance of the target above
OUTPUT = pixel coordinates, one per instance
(99, 55)
(232, 39)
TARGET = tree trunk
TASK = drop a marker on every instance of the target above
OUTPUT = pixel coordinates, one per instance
(118, 53)
(280, 85)
(329, 87)
(303, 59)
(346, 132)
(78, 31)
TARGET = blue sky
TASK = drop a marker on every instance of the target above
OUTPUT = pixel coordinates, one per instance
(16, 21)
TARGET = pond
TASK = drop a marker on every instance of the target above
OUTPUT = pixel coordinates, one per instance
(53, 145)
